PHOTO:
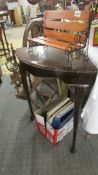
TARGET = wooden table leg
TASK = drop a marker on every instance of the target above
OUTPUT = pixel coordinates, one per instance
(26, 89)
(5, 37)
(80, 93)
(0, 80)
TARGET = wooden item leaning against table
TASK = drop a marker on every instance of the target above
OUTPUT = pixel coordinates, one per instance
(66, 30)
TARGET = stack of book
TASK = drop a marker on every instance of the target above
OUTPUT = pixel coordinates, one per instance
(56, 120)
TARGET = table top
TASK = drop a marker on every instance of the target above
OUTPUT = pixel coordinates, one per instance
(3, 13)
(51, 62)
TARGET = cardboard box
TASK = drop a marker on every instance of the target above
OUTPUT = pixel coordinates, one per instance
(53, 135)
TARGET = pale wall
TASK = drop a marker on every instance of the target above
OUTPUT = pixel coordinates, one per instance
(24, 4)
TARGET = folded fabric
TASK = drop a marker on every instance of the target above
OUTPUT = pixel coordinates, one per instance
(90, 111)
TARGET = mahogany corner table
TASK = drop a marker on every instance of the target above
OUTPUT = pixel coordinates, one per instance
(50, 62)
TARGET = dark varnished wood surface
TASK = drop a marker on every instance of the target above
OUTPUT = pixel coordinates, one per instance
(48, 62)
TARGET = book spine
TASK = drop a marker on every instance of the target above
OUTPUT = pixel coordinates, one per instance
(66, 110)
(57, 107)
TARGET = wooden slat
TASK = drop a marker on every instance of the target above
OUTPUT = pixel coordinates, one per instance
(66, 14)
(52, 44)
(48, 39)
(64, 36)
(53, 40)
(55, 44)
(68, 26)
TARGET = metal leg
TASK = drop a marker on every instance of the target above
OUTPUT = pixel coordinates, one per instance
(25, 86)
(79, 96)
(3, 47)
(0, 80)
(5, 37)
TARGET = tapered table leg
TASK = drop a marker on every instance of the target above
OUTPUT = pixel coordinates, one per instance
(80, 93)
(0, 80)
(26, 89)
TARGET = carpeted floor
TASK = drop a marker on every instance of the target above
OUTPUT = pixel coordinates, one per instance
(23, 151)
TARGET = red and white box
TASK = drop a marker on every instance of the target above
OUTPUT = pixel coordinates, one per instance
(93, 38)
(54, 135)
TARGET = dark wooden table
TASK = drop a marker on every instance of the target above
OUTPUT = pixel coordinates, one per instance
(49, 62)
